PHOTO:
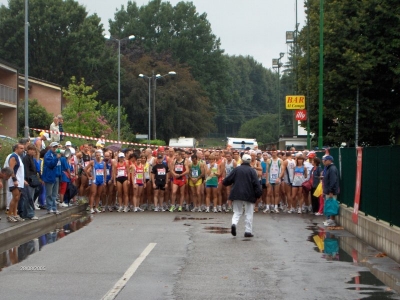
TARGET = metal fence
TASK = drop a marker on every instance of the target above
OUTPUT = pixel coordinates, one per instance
(380, 184)
(8, 94)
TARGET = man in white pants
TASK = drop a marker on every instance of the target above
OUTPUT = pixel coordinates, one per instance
(245, 191)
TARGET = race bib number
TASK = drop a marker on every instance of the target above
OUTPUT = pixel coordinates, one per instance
(195, 173)
(161, 171)
(274, 176)
(264, 175)
(178, 168)
(297, 174)
(108, 172)
(86, 163)
(99, 172)
(139, 175)
(121, 173)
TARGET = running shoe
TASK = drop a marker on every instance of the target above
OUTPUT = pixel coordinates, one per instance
(172, 208)
(11, 219)
(219, 208)
(215, 210)
(318, 214)
(266, 211)
(299, 210)
(97, 210)
(110, 209)
(156, 209)
(104, 209)
(180, 208)
(276, 210)
(330, 222)
(63, 204)
(207, 210)
(163, 209)
(194, 209)
(125, 210)
(138, 209)
(120, 209)
(92, 211)
(187, 207)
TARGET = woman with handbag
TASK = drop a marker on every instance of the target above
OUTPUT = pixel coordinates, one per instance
(315, 177)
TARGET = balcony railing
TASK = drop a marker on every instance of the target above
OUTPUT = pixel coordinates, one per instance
(8, 94)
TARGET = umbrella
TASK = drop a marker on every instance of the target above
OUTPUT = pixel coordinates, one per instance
(114, 147)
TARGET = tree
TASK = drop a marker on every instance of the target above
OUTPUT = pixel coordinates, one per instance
(360, 52)
(38, 116)
(81, 114)
(63, 41)
(262, 128)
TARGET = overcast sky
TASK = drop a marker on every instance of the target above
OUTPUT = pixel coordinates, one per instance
(245, 27)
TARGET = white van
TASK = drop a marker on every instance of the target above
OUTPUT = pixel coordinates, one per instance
(182, 142)
(241, 143)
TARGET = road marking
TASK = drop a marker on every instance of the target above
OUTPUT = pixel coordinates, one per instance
(112, 294)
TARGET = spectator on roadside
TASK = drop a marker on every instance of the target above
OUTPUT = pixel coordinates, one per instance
(28, 208)
(60, 126)
(17, 182)
(245, 191)
(55, 130)
(39, 141)
(5, 174)
(51, 159)
(330, 184)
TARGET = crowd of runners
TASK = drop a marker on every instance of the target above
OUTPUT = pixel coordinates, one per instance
(167, 179)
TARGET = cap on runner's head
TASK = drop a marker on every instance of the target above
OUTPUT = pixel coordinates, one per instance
(53, 144)
(121, 154)
(46, 135)
(327, 157)
(154, 153)
(247, 148)
(72, 151)
(246, 158)
(161, 148)
(68, 143)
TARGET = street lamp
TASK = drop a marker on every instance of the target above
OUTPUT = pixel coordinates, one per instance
(153, 79)
(149, 78)
(276, 64)
(108, 37)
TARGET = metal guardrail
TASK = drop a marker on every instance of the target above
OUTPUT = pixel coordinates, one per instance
(8, 94)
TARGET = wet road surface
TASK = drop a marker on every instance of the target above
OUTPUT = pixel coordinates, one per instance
(194, 256)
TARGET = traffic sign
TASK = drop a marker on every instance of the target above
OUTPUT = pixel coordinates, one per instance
(295, 102)
(301, 115)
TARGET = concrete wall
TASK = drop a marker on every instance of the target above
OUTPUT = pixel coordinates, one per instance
(378, 234)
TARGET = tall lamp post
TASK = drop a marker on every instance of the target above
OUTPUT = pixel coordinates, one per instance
(149, 78)
(158, 76)
(26, 129)
(276, 64)
(153, 81)
(108, 37)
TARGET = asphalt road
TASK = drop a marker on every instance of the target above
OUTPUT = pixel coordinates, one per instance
(194, 257)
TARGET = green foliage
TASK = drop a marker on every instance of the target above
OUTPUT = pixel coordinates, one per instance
(38, 116)
(81, 116)
(262, 128)
(361, 50)
(184, 33)
(63, 40)
(110, 113)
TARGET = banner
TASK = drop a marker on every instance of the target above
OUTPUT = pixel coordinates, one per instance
(357, 192)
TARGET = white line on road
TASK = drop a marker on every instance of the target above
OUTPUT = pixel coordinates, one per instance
(112, 294)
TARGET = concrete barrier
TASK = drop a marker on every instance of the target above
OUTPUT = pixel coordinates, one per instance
(378, 234)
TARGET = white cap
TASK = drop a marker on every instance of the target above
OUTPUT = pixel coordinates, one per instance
(121, 154)
(68, 143)
(53, 144)
(246, 158)
(72, 151)
(46, 135)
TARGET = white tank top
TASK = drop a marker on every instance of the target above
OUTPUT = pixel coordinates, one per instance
(290, 169)
(20, 175)
(228, 167)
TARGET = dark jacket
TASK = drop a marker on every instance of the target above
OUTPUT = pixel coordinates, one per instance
(331, 180)
(246, 186)
(316, 172)
(29, 166)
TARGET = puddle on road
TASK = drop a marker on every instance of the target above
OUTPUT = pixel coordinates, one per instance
(190, 218)
(330, 242)
(218, 230)
(19, 253)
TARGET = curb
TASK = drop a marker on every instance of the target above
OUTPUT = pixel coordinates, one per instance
(30, 229)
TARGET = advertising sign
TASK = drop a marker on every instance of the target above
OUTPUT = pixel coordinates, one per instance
(295, 102)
